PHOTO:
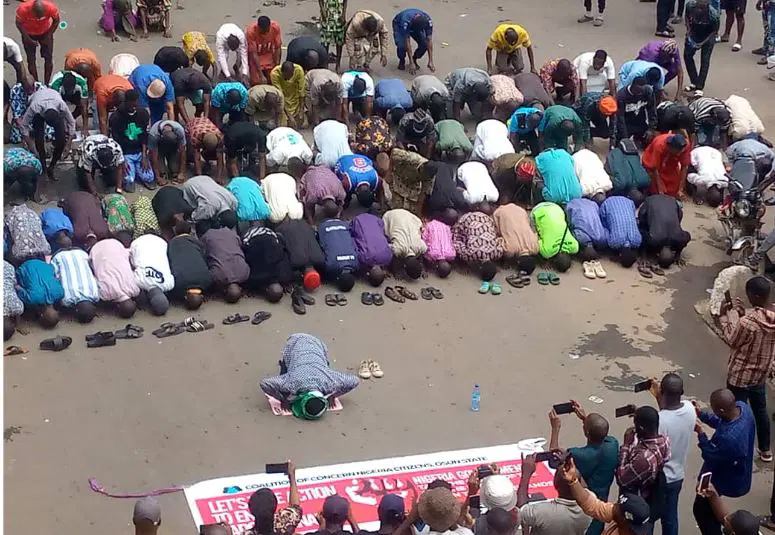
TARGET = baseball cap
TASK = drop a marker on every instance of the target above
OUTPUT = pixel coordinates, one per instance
(636, 511)
(743, 523)
(147, 510)
(498, 491)
(335, 508)
(391, 508)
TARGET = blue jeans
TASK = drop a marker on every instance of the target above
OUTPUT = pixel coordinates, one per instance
(670, 515)
(756, 397)
(771, 28)
(133, 169)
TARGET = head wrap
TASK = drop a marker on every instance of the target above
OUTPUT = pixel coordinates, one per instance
(608, 105)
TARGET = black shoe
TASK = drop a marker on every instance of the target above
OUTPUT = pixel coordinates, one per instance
(297, 303)
(402, 65)
(101, 339)
(761, 51)
(129, 188)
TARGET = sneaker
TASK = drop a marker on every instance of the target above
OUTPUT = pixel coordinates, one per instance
(589, 270)
(587, 17)
(676, 20)
(375, 369)
(598, 21)
(761, 51)
(363, 370)
(690, 88)
(698, 93)
(765, 456)
(762, 61)
(597, 267)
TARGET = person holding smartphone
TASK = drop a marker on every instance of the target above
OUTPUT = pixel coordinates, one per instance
(751, 338)
(741, 522)
(597, 460)
(268, 519)
(676, 422)
(549, 517)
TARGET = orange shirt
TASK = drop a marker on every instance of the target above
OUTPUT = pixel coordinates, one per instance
(657, 157)
(32, 24)
(106, 85)
(84, 55)
(263, 44)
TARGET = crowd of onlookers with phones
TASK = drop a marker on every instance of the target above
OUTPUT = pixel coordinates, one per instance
(648, 466)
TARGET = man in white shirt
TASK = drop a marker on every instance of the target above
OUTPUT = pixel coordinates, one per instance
(148, 255)
(12, 55)
(231, 38)
(284, 143)
(709, 176)
(491, 141)
(676, 422)
(478, 186)
(279, 190)
(331, 142)
(560, 515)
(596, 72)
(358, 90)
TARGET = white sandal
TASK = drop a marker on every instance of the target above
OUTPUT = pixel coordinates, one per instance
(375, 369)
(363, 370)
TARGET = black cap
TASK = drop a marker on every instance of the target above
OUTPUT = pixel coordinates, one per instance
(636, 511)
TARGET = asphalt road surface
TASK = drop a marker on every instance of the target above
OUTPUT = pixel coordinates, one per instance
(149, 413)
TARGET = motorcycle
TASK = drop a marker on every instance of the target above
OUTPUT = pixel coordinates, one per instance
(742, 211)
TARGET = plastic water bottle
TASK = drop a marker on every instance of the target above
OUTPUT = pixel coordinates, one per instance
(476, 397)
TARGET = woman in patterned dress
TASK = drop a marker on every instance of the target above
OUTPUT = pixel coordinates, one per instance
(333, 21)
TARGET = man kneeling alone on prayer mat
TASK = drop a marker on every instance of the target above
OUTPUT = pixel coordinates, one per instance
(306, 382)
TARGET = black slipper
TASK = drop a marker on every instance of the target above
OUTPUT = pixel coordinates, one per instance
(436, 293)
(235, 318)
(58, 343)
(260, 317)
(130, 332)
(168, 329)
(644, 270)
(97, 335)
(297, 304)
(367, 298)
(14, 350)
(426, 294)
(102, 339)
(331, 300)
(406, 292)
(341, 299)
(306, 298)
(199, 326)
(377, 299)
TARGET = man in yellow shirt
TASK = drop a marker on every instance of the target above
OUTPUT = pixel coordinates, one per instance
(507, 40)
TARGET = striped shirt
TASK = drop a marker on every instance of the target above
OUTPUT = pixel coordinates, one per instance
(703, 109)
(72, 268)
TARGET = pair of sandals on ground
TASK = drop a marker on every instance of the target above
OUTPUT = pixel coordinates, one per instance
(191, 325)
(258, 318)
(95, 340)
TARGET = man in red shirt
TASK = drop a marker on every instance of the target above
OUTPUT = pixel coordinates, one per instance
(264, 49)
(37, 21)
(667, 159)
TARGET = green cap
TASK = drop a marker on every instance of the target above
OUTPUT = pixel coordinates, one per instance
(309, 405)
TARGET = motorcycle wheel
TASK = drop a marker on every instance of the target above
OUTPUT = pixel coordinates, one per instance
(740, 257)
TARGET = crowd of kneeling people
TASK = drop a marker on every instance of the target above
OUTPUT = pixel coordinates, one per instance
(525, 190)
(648, 467)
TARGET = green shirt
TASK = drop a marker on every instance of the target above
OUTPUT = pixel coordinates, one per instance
(81, 88)
(452, 136)
(549, 221)
(597, 465)
(550, 126)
